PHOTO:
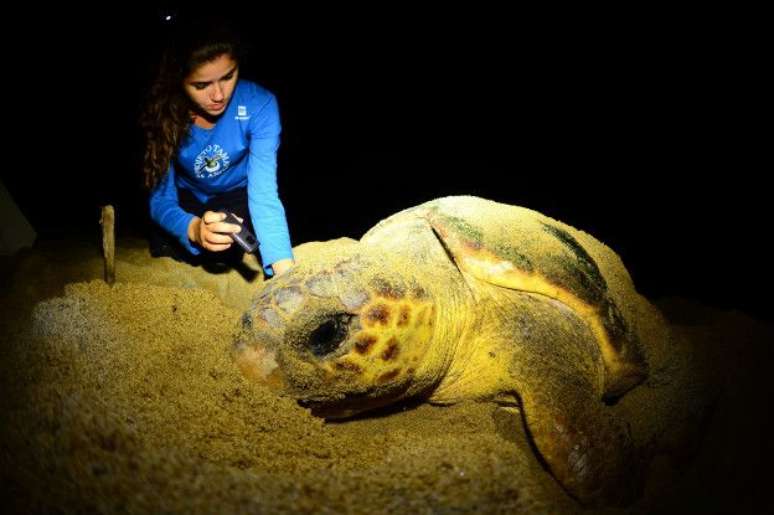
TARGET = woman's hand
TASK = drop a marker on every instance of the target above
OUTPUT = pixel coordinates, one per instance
(207, 232)
(281, 266)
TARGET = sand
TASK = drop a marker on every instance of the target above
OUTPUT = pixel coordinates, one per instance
(124, 399)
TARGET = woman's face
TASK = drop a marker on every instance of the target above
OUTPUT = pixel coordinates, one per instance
(211, 85)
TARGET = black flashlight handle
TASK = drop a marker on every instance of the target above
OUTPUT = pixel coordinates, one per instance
(243, 238)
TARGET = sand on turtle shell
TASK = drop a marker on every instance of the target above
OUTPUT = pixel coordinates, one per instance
(124, 399)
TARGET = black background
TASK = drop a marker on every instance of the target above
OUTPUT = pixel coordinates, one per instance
(636, 127)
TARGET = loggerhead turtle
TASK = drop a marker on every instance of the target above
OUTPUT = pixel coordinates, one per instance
(464, 298)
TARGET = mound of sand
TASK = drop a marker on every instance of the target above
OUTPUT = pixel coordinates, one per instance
(124, 399)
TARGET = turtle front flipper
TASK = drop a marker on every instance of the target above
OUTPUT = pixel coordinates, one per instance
(583, 445)
(555, 368)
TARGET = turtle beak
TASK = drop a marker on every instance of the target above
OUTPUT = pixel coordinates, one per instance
(259, 364)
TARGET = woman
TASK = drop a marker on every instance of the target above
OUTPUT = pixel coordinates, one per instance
(212, 142)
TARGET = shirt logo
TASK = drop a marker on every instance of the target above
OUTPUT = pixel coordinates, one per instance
(211, 162)
(242, 113)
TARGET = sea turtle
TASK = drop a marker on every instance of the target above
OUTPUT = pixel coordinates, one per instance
(464, 298)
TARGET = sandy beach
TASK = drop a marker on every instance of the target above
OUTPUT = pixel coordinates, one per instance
(124, 399)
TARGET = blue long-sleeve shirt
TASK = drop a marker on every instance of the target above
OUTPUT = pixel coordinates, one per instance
(240, 150)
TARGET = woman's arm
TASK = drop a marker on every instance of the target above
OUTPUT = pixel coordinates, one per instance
(266, 209)
(165, 210)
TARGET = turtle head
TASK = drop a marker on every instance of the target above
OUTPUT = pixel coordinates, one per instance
(342, 335)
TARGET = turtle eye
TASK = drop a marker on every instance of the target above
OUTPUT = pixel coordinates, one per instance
(327, 337)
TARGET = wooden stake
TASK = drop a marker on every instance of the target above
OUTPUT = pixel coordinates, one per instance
(108, 222)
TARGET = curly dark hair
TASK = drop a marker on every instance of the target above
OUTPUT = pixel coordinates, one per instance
(166, 117)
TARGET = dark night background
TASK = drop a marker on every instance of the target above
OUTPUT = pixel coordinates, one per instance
(634, 128)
